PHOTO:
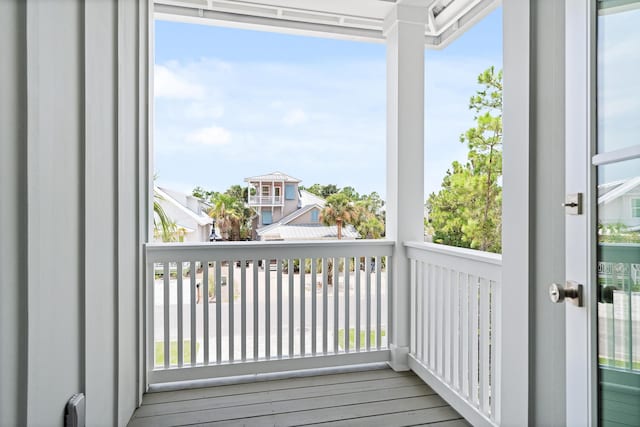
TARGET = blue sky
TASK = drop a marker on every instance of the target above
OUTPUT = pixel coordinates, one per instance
(233, 103)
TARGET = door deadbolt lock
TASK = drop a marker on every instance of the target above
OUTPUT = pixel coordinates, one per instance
(572, 292)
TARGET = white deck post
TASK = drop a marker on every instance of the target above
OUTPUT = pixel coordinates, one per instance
(404, 30)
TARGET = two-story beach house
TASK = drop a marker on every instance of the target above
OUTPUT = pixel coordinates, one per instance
(285, 212)
(187, 213)
(545, 334)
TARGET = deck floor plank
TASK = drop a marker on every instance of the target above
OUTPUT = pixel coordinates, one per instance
(301, 382)
(368, 398)
(278, 395)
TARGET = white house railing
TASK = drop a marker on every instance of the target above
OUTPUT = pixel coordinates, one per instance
(271, 308)
(265, 200)
(454, 329)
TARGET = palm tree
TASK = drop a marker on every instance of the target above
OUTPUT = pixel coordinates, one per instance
(167, 228)
(227, 213)
(338, 210)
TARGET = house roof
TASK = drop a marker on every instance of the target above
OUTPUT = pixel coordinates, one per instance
(198, 218)
(622, 188)
(307, 198)
(273, 176)
(307, 232)
(287, 219)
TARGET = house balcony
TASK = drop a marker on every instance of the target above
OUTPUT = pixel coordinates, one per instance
(269, 308)
(257, 201)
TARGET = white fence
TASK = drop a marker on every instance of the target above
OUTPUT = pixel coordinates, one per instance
(265, 200)
(264, 307)
(454, 328)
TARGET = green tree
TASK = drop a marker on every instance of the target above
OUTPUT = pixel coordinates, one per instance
(351, 193)
(245, 214)
(228, 213)
(338, 210)
(467, 211)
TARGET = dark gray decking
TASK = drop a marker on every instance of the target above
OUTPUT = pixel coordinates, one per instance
(379, 397)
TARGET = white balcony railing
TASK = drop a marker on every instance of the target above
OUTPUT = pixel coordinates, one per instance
(454, 328)
(266, 201)
(271, 307)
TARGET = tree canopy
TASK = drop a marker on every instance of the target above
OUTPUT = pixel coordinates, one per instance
(467, 210)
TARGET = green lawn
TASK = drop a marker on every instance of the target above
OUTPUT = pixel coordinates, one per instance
(173, 350)
(352, 338)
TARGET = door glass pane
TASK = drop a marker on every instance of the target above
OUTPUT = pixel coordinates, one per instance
(618, 74)
(618, 281)
(618, 213)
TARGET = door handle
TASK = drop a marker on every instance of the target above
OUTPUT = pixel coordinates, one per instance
(572, 291)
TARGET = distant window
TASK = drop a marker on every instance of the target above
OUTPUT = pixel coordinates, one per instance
(635, 208)
(276, 191)
(266, 218)
(290, 192)
(265, 190)
(314, 215)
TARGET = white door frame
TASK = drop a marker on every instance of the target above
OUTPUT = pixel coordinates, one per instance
(581, 326)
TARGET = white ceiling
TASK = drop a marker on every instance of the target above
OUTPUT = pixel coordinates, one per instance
(352, 19)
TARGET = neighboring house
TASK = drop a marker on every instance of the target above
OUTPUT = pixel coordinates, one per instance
(619, 203)
(188, 214)
(284, 212)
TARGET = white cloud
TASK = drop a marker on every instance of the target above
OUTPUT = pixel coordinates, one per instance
(168, 84)
(213, 135)
(294, 117)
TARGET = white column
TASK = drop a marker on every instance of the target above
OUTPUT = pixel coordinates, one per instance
(404, 30)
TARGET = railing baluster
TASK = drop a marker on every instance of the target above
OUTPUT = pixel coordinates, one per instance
(205, 309)
(378, 302)
(325, 322)
(166, 304)
(440, 301)
(314, 307)
(192, 310)
(432, 281)
(440, 322)
(484, 345)
(426, 312)
(150, 318)
(231, 291)
(179, 312)
(243, 309)
(493, 341)
(347, 274)
(465, 362)
(303, 332)
(455, 324)
(475, 327)
(358, 304)
(256, 297)
(336, 303)
(290, 315)
(419, 308)
(267, 308)
(367, 272)
(218, 292)
(279, 284)
(390, 304)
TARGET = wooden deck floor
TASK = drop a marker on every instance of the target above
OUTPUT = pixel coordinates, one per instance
(378, 397)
